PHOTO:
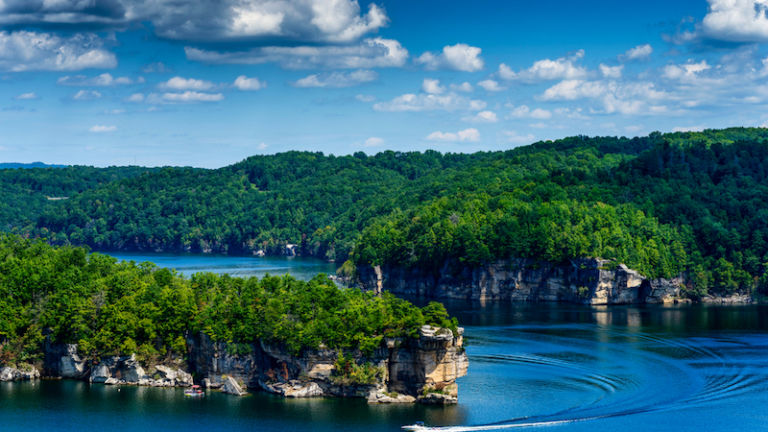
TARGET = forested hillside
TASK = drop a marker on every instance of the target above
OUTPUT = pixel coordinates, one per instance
(666, 204)
(25, 193)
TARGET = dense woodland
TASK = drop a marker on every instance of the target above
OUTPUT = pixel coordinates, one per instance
(691, 203)
(107, 307)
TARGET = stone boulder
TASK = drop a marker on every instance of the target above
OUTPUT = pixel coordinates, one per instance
(131, 370)
(100, 373)
(390, 398)
(231, 386)
(14, 374)
(437, 398)
(294, 389)
(730, 299)
(664, 291)
(168, 376)
(71, 365)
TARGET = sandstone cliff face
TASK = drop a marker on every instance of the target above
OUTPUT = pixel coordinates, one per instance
(410, 368)
(422, 369)
(430, 366)
(588, 281)
(65, 361)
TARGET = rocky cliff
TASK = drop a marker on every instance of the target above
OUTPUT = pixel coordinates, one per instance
(588, 281)
(422, 369)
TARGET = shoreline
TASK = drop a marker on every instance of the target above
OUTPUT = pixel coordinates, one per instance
(401, 370)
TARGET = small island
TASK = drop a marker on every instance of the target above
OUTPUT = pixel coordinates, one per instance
(65, 313)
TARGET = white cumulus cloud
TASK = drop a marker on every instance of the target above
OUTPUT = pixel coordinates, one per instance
(638, 97)
(136, 97)
(737, 20)
(506, 73)
(180, 83)
(461, 57)
(26, 50)
(687, 70)
(482, 117)
(369, 53)
(87, 95)
(466, 135)
(523, 111)
(334, 21)
(432, 86)
(103, 80)
(547, 69)
(338, 79)
(191, 96)
(639, 52)
(429, 102)
(248, 84)
(611, 71)
(490, 85)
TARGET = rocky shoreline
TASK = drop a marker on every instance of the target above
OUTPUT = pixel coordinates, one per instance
(407, 370)
(591, 281)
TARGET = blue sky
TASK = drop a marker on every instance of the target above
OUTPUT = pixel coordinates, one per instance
(208, 83)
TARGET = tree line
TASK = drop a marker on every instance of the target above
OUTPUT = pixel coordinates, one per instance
(665, 204)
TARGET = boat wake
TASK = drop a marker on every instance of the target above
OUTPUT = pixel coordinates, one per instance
(704, 371)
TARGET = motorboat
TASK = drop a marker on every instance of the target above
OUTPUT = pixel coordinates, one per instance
(194, 391)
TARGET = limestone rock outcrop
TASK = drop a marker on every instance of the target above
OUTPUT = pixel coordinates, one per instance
(27, 373)
(231, 386)
(409, 367)
(118, 370)
(172, 377)
(64, 361)
(422, 369)
(588, 281)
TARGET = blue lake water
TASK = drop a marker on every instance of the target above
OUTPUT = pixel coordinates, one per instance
(532, 367)
(242, 266)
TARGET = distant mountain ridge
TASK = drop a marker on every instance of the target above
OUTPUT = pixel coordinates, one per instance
(7, 165)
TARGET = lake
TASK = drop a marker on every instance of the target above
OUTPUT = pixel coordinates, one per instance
(243, 266)
(550, 367)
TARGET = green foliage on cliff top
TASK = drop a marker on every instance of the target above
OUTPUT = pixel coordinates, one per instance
(121, 308)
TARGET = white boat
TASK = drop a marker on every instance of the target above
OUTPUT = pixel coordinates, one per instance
(194, 391)
(418, 426)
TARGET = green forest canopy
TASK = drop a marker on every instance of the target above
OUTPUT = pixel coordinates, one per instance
(665, 204)
(111, 307)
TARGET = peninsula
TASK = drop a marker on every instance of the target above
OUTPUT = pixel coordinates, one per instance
(65, 313)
